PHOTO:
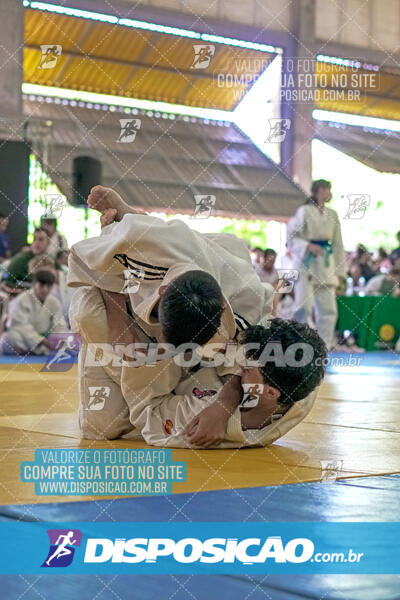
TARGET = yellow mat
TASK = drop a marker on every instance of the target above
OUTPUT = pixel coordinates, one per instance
(354, 424)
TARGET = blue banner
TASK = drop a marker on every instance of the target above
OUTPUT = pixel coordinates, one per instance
(202, 548)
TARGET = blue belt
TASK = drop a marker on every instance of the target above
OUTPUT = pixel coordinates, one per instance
(326, 245)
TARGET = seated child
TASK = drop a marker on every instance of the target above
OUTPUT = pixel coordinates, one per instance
(170, 405)
(33, 315)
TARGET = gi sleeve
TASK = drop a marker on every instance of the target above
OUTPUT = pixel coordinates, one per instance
(338, 249)
(297, 234)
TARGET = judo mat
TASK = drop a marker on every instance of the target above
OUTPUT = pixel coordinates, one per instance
(354, 425)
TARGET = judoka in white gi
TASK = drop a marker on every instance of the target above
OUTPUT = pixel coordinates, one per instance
(153, 253)
(315, 239)
(34, 315)
(164, 403)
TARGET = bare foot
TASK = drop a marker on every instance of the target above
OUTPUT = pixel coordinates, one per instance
(108, 217)
(102, 199)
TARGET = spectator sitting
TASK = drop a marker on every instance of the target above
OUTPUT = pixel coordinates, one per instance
(257, 256)
(395, 255)
(266, 271)
(5, 251)
(384, 284)
(62, 258)
(35, 314)
(57, 240)
(381, 263)
(17, 277)
(60, 289)
(363, 258)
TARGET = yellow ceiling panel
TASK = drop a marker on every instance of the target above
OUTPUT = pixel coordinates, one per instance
(118, 60)
(149, 84)
(48, 28)
(115, 42)
(94, 76)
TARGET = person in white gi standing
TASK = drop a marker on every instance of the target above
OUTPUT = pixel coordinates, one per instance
(315, 239)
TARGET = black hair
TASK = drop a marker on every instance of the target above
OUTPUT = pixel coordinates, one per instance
(49, 220)
(315, 186)
(3, 216)
(39, 229)
(61, 252)
(294, 381)
(269, 251)
(44, 277)
(190, 310)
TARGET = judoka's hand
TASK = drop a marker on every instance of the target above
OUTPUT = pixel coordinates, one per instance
(315, 249)
(208, 428)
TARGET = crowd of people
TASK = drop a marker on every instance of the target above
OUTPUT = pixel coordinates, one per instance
(34, 295)
(369, 273)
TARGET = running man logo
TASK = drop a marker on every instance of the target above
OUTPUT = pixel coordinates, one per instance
(129, 129)
(54, 204)
(278, 129)
(63, 543)
(50, 54)
(287, 277)
(330, 470)
(132, 280)
(65, 348)
(204, 206)
(251, 394)
(203, 54)
(358, 204)
(97, 397)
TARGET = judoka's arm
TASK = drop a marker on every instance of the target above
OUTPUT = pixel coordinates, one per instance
(59, 324)
(297, 236)
(338, 250)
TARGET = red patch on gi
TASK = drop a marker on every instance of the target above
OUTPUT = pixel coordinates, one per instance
(168, 426)
(202, 393)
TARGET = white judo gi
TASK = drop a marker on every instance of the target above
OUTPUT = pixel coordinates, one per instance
(30, 321)
(154, 252)
(152, 403)
(318, 275)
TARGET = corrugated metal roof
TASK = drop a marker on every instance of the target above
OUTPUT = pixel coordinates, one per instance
(377, 149)
(112, 59)
(379, 92)
(169, 161)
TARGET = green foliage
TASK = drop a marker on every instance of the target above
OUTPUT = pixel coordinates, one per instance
(253, 232)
